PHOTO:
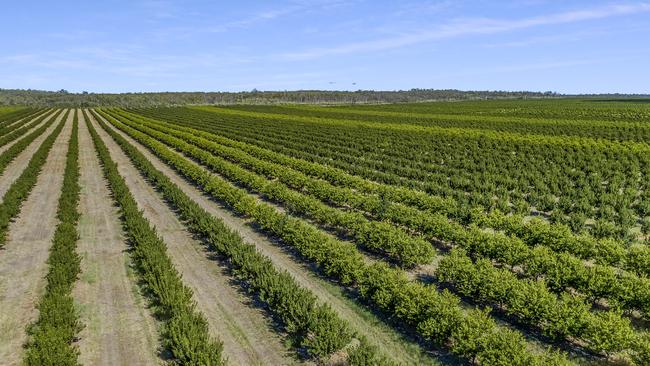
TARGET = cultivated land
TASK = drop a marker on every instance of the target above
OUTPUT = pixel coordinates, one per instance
(23, 262)
(492, 233)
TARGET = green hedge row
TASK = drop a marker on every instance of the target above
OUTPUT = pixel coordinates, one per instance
(436, 316)
(635, 258)
(568, 317)
(185, 332)
(21, 187)
(315, 326)
(53, 333)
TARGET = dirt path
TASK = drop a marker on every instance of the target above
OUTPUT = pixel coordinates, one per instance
(16, 167)
(23, 261)
(119, 330)
(378, 333)
(247, 334)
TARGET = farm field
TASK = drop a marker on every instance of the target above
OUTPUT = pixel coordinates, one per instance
(503, 232)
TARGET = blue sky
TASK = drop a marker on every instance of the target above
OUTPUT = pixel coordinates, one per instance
(202, 45)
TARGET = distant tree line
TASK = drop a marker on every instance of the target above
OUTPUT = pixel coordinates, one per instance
(63, 98)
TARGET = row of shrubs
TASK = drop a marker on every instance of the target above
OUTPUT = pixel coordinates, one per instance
(53, 333)
(530, 301)
(634, 258)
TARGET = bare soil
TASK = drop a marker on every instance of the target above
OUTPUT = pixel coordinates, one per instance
(16, 167)
(23, 261)
(392, 343)
(247, 334)
(119, 330)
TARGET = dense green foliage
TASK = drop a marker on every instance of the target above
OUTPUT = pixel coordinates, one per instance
(4, 111)
(436, 316)
(52, 334)
(185, 332)
(533, 304)
(611, 109)
(23, 185)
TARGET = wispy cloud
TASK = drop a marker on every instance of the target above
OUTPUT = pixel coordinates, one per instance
(466, 27)
(256, 18)
(564, 37)
(252, 20)
(121, 61)
(574, 37)
(545, 65)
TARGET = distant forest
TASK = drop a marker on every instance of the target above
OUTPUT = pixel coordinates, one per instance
(64, 98)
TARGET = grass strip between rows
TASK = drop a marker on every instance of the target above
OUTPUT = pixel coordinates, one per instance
(53, 333)
(185, 331)
(436, 316)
